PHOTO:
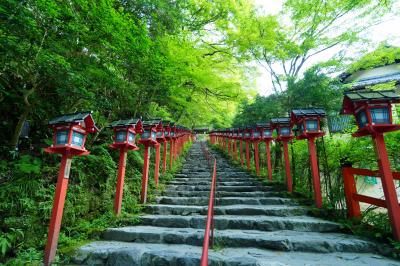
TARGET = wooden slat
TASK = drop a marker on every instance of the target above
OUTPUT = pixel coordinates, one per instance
(370, 200)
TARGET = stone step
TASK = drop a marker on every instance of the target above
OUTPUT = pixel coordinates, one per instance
(276, 240)
(262, 223)
(208, 179)
(208, 183)
(221, 194)
(220, 188)
(224, 201)
(206, 174)
(125, 253)
(272, 210)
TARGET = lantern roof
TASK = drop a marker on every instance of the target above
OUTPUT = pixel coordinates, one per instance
(125, 122)
(308, 112)
(76, 118)
(367, 96)
(264, 125)
(280, 121)
(152, 122)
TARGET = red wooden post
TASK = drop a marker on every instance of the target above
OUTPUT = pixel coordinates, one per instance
(353, 206)
(157, 164)
(235, 149)
(145, 176)
(171, 152)
(165, 156)
(241, 153)
(289, 181)
(248, 154)
(120, 181)
(58, 208)
(387, 184)
(315, 173)
(229, 146)
(256, 158)
(269, 166)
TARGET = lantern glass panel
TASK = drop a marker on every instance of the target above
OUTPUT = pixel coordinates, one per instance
(362, 119)
(256, 134)
(172, 134)
(160, 134)
(146, 134)
(380, 115)
(120, 136)
(285, 131)
(247, 134)
(131, 137)
(77, 138)
(267, 133)
(300, 128)
(153, 135)
(311, 125)
(62, 137)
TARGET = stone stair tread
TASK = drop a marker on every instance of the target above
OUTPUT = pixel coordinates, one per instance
(284, 240)
(224, 201)
(223, 193)
(237, 209)
(259, 222)
(125, 253)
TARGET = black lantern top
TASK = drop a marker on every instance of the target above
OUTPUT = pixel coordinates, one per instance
(84, 119)
(307, 121)
(372, 110)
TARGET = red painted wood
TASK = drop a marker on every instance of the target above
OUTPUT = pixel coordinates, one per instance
(350, 189)
(241, 153)
(171, 153)
(315, 173)
(388, 184)
(164, 157)
(157, 164)
(289, 181)
(268, 153)
(145, 176)
(256, 158)
(57, 211)
(120, 181)
(210, 215)
(248, 154)
(370, 200)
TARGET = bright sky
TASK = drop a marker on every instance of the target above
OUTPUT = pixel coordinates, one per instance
(388, 30)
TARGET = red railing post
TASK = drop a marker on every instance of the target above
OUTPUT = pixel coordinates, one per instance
(157, 164)
(145, 176)
(248, 154)
(58, 208)
(256, 158)
(289, 181)
(350, 189)
(120, 180)
(315, 173)
(241, 153)
(269, 165)
(171, 153)
(164, 156)
(389, 189)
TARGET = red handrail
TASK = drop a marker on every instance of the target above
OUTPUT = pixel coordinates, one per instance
(210, 212)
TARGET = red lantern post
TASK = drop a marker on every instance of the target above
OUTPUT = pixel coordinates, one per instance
(241, 138)
(247, 137)
(308, 127)
(373, 112)
(266, 135)
(69, 139)
(148, 139)
(284, 131)
(124, 140)
(255, 139)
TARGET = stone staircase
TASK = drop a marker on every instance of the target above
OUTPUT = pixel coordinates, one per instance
(254, 225)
